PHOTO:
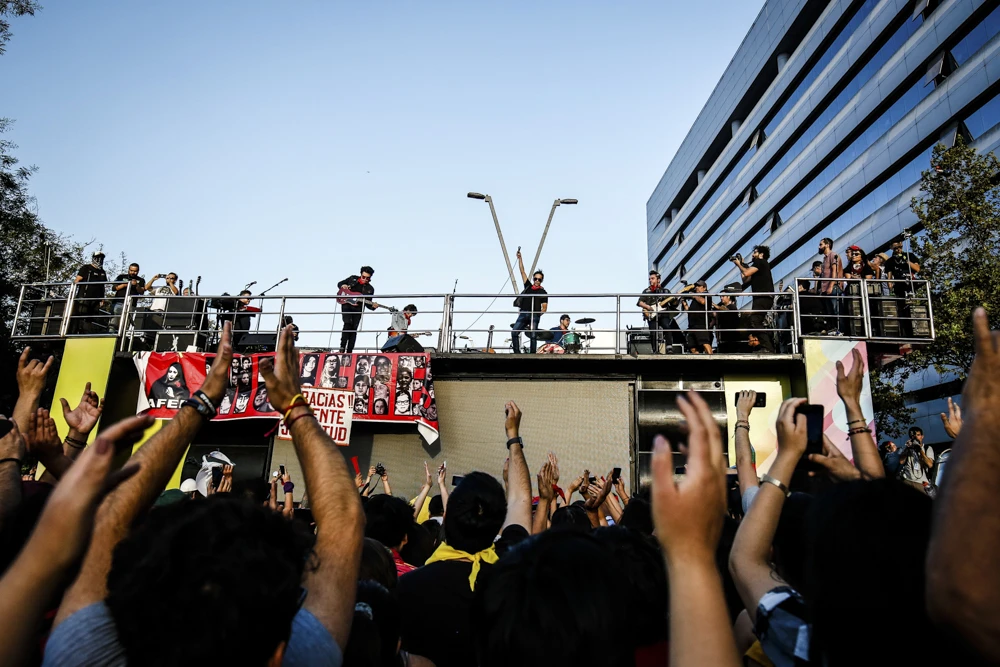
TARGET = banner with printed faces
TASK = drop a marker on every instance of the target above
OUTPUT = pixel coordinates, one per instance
(393, 387)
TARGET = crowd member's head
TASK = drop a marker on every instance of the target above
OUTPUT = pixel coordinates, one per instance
(476, 512)
(377, 564)
(644, 598)
(701, 286)
(376, 629)
(571, 517)
(436, 506)
(762, 252)
(868, 542)
(133, 270)
(825, 245)
(555, 598)
(638, 515)
(387, 520)
(229, 567)
(817, 269)
(421, 541)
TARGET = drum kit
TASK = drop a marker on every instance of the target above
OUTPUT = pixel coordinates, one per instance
(571, 342)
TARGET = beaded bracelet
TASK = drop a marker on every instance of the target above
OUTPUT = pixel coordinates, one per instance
(857, 421)
(746, 426)
(856, 431)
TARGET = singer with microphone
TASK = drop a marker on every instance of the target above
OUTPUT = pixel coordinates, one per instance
(241, 323)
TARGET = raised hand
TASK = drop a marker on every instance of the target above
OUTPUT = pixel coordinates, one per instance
(359, 481)
(12, 445)
(84, 417)
(281, 375)
(218, 377)
(745, 402)
(953, 420)
(31, 374)
(428, 481)
(285, 479)
(226, 484)
(835, 463)
(554, 461)
(442, 475)
(849, 384)
(545, 481)
(512, 423)
(688, 514)
(371, 473)
(792, 433)
(41, 437)
(598, 492)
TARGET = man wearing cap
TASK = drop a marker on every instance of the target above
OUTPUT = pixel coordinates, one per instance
(727, 321)
(902, 267)
(699, 339)
(89, 294)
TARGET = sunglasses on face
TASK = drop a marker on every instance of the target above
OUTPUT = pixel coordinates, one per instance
(537, 280)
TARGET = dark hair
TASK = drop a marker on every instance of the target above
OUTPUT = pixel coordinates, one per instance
(194, 576)
(135, 264)
(571, 517)
(377, 564)
(436, 506)
(645, 597)
(538, 273)
(564, 316)
(817, 263)
(884, 523)
(245, 292)
(638, 515)
(763, 250)
(552, 597)
(375, 630)
(420, 543)
(367, 269)
(654, 272)
(789, 542)
(476, 512)
(916, 429)
(387, 519)
(827, 241)
(410, 307)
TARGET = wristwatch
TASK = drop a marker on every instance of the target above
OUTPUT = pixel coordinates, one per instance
(516, 440)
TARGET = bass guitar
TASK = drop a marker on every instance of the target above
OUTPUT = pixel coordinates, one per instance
(348, 297)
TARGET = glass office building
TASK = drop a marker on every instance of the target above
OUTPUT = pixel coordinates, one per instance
(820, 127)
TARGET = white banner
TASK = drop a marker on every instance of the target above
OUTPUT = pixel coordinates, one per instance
(334, 409)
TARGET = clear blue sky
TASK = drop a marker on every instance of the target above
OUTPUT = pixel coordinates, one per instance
(253, 141)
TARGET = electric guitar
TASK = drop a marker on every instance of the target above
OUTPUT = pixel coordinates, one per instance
(345, 298)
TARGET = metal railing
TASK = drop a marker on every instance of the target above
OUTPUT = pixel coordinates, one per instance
(608, 323)
(880, 310)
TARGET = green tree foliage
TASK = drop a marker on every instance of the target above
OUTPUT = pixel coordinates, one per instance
(958, 245)
(10, 8)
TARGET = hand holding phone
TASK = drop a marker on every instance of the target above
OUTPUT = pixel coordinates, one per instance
(615, 475)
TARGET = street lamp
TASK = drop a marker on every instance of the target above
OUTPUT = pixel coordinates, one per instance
(503, 246)
(558, 202)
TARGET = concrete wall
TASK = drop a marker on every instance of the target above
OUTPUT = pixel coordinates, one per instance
(586, 424)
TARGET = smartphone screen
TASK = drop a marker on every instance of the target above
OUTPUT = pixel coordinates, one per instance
(593, 479)
(216, 476)
(759, 402)
(5, 427)
(281, 469)
(457, 479)
(615, 475)
(814, 427)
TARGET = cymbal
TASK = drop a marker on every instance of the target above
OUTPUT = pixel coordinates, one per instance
(544, 335)
(586, 320)
(588, 337)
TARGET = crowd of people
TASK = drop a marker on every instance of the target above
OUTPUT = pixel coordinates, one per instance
(826, 560)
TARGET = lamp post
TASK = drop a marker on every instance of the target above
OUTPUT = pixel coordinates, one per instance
(503, 246)
(558, 202)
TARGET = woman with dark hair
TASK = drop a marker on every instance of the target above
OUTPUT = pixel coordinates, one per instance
(331, 369)
(376, 630)
(856, 267)
(260, 402)
(309, 365)
(380, 407)
(171, 385)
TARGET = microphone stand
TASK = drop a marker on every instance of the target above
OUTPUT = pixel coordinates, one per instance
(264, 293)
(451, 314)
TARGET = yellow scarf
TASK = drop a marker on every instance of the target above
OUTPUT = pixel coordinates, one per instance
(444, 552)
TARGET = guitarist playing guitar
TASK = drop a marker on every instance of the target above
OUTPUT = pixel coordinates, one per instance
(658, 317)
(351, 308)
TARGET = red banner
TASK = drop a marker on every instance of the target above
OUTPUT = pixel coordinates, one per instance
(393, 387)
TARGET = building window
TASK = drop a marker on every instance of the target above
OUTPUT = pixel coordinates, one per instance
(683, 272)
(952, 132)
(939, 69)
(923, 8)
(757, 139)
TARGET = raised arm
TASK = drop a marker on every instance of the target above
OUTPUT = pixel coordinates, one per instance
(59, 538)
(443, 484)
(519, 484)
(159, 458)
(749, 559)
(336, 508)
(962, 578)
(42, 441)
(547, 477)
(520, 265)
(81, 420)
(745, 472)
(31, 376)
(418, 504)
(12, 452)
(865, 452)
(688, 516)
(149, 285)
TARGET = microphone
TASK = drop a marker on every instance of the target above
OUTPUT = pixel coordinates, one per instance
(250, 285)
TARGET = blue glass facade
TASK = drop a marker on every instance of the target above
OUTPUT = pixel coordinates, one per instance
(862, 147)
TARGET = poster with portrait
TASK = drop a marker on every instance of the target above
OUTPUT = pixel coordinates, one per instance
(392, 387)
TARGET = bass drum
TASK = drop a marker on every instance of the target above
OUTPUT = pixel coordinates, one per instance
(571, 341)
(551, 348)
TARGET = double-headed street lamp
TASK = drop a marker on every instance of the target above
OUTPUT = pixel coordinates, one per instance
(503, 246)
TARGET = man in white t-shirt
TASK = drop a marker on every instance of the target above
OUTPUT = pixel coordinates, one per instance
(916, 462)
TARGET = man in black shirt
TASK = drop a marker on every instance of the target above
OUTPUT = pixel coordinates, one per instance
(657, 317)
(727, 320)
(699, 339)
(130, 282)
(532, 304)
(758, 276)
(902, 267)
(90, 293)
(351, 308)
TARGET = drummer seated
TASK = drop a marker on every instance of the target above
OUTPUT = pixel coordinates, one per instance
(561, 330)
